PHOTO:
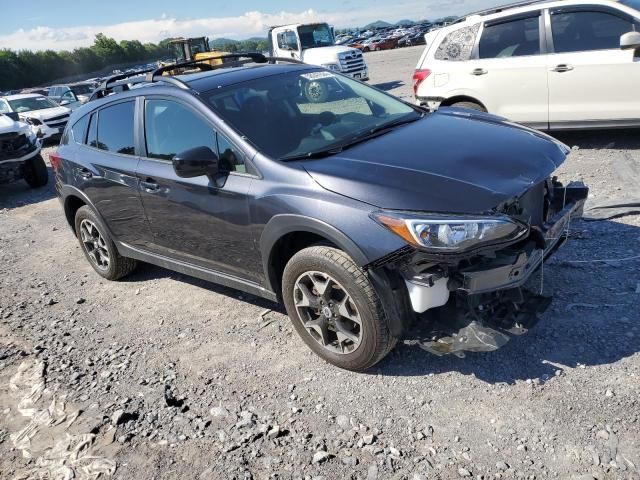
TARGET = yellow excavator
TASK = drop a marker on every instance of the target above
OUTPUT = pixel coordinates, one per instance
(193, 49)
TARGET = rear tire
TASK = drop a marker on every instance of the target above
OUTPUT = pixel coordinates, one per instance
(36, 173)
(98, 248)
(350, 302)
(470, 106)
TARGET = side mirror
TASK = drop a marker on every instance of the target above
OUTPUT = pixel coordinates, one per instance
(195, 162)
(630, 41)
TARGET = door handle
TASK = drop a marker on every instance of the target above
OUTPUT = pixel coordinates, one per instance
(150, 186)
(479, 71)
(86, 174)
(563, 67)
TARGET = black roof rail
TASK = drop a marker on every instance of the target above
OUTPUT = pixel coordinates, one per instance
(157, 75)
(499, 9)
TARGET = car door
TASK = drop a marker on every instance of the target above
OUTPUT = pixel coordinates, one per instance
(590, 78)
(507, 69)
(105, 170)
(203, 221)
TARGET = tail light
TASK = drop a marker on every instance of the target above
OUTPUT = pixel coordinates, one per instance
(419, 76)
(54, 160)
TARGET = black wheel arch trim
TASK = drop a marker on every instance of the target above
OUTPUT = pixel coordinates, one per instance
(67, 191)
(283, 224)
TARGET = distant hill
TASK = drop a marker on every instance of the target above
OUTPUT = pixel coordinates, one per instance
(405, 23)
(378, 24)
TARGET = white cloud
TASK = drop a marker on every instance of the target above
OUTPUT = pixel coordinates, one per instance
(250, 24)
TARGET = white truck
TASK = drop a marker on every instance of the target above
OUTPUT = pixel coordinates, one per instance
(314, 43)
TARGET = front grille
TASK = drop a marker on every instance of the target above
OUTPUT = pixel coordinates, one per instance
(353, 62)
(59, 117)
(57, 122)
(10, 142)
(14, 145)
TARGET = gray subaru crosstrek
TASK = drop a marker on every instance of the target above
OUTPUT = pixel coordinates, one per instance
(371, 219)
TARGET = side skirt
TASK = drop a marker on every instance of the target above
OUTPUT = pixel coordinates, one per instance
(196, 271)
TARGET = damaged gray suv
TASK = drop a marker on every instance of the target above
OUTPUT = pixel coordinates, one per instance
(369, 218)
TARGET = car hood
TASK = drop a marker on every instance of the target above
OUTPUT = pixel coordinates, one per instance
(46, 113)
(8, 125)
(451, 161)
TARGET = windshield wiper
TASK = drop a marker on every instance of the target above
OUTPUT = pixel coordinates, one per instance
(359, 138)
(327, 152)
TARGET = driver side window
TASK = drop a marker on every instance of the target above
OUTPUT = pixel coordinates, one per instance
(287, 40)
(171, 128)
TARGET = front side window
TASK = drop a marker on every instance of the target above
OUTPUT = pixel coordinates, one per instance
(458, 45)
(115, 128)
(230, 157)
(584, 31)
(287, 40)
(171, 128)
(515, 38)
(301, 113)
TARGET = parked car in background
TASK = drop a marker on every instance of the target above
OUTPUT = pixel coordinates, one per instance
(39, 90)
(72, 95)
(344, 216)
(551, 65)
(412, 39)
(381, 44)
(20, 153)
(38, 110)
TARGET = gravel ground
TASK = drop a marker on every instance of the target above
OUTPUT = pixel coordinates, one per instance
(161, 376)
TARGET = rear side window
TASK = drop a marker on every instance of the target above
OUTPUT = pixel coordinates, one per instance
(171, 128)
(79, 129)
(92, 135)
(458, 45)
(515, 38)
(584, 31)
(115, 128)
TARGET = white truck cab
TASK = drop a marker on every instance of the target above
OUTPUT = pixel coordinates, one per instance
(314, 43)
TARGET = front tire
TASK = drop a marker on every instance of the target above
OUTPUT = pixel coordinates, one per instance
(36, 173)
(98, 247)
(470, 106)
(335, 309)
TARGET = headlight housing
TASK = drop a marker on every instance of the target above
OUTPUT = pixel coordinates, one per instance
(331, 66)
(451, 233)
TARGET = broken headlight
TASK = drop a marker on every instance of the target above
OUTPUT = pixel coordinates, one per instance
(450, 233)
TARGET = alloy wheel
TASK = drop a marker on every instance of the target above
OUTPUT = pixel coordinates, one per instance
(94, 244)
(328, 312)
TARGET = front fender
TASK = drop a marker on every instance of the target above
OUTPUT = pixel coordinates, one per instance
(281, 225)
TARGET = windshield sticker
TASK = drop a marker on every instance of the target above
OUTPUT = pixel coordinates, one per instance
(317, 75)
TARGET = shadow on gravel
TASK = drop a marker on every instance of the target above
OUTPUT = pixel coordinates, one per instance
(594, 318)
(619, 138)
(386, 86)
(19, 194)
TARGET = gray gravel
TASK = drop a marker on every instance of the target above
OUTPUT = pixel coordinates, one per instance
(170, 377)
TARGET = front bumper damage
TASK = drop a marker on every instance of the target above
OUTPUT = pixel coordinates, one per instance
(477, 302)
(15, 150)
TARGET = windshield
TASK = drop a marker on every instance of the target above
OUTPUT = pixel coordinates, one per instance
(31, 103)
(631, 3)
(301, 113)
(312, 36)
(83, 89)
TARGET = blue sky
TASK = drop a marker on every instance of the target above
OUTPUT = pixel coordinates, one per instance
(63, 24)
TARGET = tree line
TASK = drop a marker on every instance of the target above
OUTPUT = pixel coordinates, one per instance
(24, 68)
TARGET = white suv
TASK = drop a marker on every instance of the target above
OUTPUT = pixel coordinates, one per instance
(548, 64)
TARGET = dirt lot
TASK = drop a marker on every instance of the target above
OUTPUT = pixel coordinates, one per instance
(162, 376)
